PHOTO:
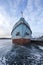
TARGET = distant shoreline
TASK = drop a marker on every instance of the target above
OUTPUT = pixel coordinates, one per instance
(5, 38)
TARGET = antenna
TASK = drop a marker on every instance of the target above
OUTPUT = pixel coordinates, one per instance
(21, 14)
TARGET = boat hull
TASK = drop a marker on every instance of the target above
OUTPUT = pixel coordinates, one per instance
(20, 41)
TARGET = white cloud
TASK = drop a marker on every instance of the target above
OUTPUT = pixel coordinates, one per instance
(4, 22)
(34, 16)
(9, 15)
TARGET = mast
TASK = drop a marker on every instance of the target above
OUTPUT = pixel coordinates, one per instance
(21, 14)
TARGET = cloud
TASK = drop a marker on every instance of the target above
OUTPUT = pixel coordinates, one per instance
(7, 17)
(10, 14)
(4, 22)
(34, 16)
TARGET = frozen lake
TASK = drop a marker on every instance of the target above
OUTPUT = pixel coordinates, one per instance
(4, 42)
(20, 55)
(5, 45)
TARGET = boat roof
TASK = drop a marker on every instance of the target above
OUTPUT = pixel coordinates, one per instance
(21, 21)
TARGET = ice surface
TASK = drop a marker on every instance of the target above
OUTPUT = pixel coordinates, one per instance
(20, 55)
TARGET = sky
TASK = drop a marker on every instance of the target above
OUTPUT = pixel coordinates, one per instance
(10, 13)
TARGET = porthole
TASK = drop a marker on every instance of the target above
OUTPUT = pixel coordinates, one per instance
(26, 33)
(17, 34)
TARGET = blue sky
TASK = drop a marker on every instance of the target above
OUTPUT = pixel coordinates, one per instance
(10, 12)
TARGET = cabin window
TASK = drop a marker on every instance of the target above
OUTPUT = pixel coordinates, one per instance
(17, 34)
(26, 33)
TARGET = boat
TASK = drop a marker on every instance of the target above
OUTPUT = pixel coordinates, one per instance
(21, 32)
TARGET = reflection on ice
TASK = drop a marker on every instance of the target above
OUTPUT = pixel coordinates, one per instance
(21, 55)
